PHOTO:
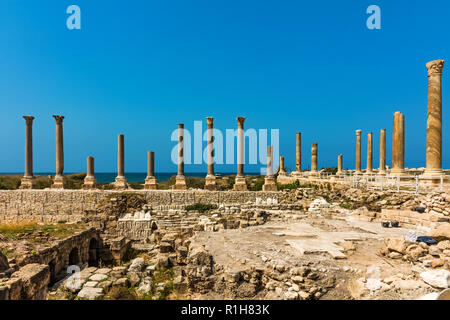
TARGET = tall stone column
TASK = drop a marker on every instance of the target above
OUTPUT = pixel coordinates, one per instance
(382, 169)
(398, 144)
(434, 119)
(298, 153)
(269, 180)
(339, 171)
(58, 182)
(239, 184)
(150, 180)
(180, 181)
(369, 169)
(28, 181)
(282, 170)
(210, 180)
(90, 181)
(358, 152)
(121, 181)
(314, 156)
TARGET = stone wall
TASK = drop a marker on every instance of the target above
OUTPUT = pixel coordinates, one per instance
(51, 206)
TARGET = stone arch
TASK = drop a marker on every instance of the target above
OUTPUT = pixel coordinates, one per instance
(74, 257)
(93, 253)
(52, 266)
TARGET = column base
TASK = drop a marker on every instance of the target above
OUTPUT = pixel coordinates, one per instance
(239, 184)
(433, 173)
(434, 180)
(89, 183)
(27, 183)
(121, 183)
(382, 172)
(297, 173)
(369, 172)
(210, 182)
(357, 172)
(180, 183)
(397, 172)
(340, 173)
(313, 173)
(150, 183)
(269, 184)
(58, 182)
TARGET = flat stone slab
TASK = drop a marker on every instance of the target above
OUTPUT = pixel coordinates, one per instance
(90, 284)
(90, 293)
(98, 277)
(103, 271)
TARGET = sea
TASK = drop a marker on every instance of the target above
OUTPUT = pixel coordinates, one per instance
(108, 177)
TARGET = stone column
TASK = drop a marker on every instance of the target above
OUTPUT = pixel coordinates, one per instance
(28, 181)
(150, 180)
(358, 152)
(282, 170)
(58, 182)
(339, 171)
(90, 181)
(210, 180)
(180, 181)
(314, 156)
(239, 184)
(398, 144)
(434, 119)
(382, 169)
(369, 169)
(298, 153)
(269, 180)
(121, 181)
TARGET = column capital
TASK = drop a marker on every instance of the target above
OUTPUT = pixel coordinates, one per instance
(180, 125)
(358, 132)
(28, 120)
(59, 119)
(240, 121)
(209, 120)
(435, 67)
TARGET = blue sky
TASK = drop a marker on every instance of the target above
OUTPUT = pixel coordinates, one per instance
(141, 67)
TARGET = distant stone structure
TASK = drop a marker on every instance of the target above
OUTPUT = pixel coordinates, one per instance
(282, 169)
(210, 180)
(28, 181)
(369, 169)
(239, 184)
(382, 169)
(398, 144)
(58, 181)
(314, 151)
(358, 152)
(150, 180)
(121, 181)
(90, 182)
(180, 180)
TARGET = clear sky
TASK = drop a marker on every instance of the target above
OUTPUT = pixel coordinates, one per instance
(141, 67)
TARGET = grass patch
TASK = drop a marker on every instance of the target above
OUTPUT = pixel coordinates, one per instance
(60, 231)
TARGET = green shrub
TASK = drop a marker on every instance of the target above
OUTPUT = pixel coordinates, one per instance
(201, 207)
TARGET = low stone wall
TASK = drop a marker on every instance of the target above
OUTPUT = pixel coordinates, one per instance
(29, 283)
(51, 206)
(412, 218)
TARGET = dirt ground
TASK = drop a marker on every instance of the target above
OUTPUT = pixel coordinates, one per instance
(343, 247)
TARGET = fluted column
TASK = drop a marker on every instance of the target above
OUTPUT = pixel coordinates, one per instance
(339, 171)
(150, 180)
(121, 181)
(398, 144)
(90, 181)
(434, 119)
(369, 169)
(58, 182)
(382, 169)
(180, 182)
(239, 183)
(27, 181)
(314, 156)
(269, 180)
(358, 152)
(298, 153)
(210, 180)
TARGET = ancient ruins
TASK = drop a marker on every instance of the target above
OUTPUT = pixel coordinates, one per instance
(373, 233)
